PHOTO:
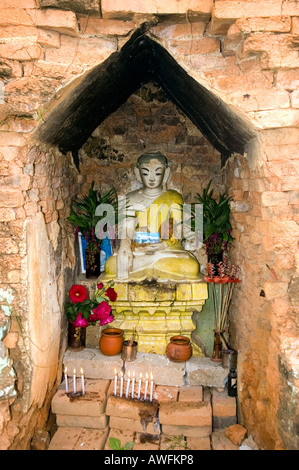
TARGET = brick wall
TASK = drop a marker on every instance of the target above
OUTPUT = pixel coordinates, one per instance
(245, 53)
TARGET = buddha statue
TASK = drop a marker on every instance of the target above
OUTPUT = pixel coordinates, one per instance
(149, 249)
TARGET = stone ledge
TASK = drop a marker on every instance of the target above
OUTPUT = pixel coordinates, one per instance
(196, 371)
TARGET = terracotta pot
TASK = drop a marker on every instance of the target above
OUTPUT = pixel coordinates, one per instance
(179, 349)
(93, 267)
(76, 337)
(111, 341)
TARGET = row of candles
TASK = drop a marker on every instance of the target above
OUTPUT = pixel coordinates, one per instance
(149, 386)
(75, 391)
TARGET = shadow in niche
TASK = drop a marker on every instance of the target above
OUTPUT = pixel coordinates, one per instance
(103, 90)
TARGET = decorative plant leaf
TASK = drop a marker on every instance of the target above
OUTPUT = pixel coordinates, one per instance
(129, 445)
(114, 443)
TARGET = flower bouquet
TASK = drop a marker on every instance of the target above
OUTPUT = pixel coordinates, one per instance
(82, 312)
(226, 278)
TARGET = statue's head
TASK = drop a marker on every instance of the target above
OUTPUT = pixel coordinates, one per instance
(152, 170)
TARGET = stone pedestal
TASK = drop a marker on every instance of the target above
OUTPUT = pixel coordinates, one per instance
(155, 311)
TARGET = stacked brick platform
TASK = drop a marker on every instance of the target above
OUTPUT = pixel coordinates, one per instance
(178, 418)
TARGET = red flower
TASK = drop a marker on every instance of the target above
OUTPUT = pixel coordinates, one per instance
(78, 293)
(80, 322)
(100, 286)
(111, 294)
(103, 313)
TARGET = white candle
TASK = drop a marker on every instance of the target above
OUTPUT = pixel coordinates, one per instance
(82, 382)
(66, 381)
(128, 384)
(152, 387)
(115, 382)
(74, 380)
(133, 384)
(139, 387)
(121, 384)
(146, 385)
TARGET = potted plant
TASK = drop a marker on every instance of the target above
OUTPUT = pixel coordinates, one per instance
(84, 219)
(216, 224)
(82, 312)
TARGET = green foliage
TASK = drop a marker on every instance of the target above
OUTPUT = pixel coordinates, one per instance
(83, 213)
(115, 444)
(216, 224)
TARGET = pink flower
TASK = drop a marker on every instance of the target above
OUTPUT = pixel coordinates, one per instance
(100, 286)
(80, 322)
(103, 313)
(78, 293)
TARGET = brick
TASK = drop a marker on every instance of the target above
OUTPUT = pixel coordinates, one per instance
(8, 246)
(134, 425)
(191, 394)
(222, 422)
(102, 27)
(278, 48)
(291, 7)
(187, 31)
(65, 438)
(114, 8)
(123, 436)
(18, 4)
(280, 24)
(271, 198)
(84, 51)
(188, 414)
(11, 198)
(187, 431)
(133, 409)
(203, 371)
(200, 46)
(164, 394)
(91, 404)
(13, 16)
(275, 289)
(275, 118)
(62, 21)
(92, 439)
(198, 443)
(20, 49)
(73, 5)
(92, 422)
(7, 215)
(223, 405)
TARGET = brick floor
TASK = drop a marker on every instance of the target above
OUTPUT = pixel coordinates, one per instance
(190, 418)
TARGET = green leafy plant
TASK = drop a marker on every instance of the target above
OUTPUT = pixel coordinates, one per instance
(216, 221)
(83, 215)
(115, 444)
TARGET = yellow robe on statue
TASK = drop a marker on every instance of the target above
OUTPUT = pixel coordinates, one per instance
(166, 259)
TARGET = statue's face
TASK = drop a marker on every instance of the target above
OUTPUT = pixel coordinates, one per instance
(152, 173)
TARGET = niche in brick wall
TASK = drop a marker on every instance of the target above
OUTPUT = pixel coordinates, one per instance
(109, 85)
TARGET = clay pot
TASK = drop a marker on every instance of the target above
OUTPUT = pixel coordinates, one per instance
(76, 337)
(179, 349)
(111, 341)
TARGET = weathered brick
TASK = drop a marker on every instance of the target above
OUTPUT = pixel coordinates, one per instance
(14, 16)
(101, 27)
(20, 49)
(92, 404)
(133, 409)
(271, 198)
(62, 21)
(187, 431)
(223, 405)
(198, 443)
(65, 438)
(113, 8)
(7, 215)
(187, 31)
(163, 393)
(134, 425)
(92, 422)
(191, 394)
(11, 198)
(123, 436)
(188, 414)
(200, 46)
